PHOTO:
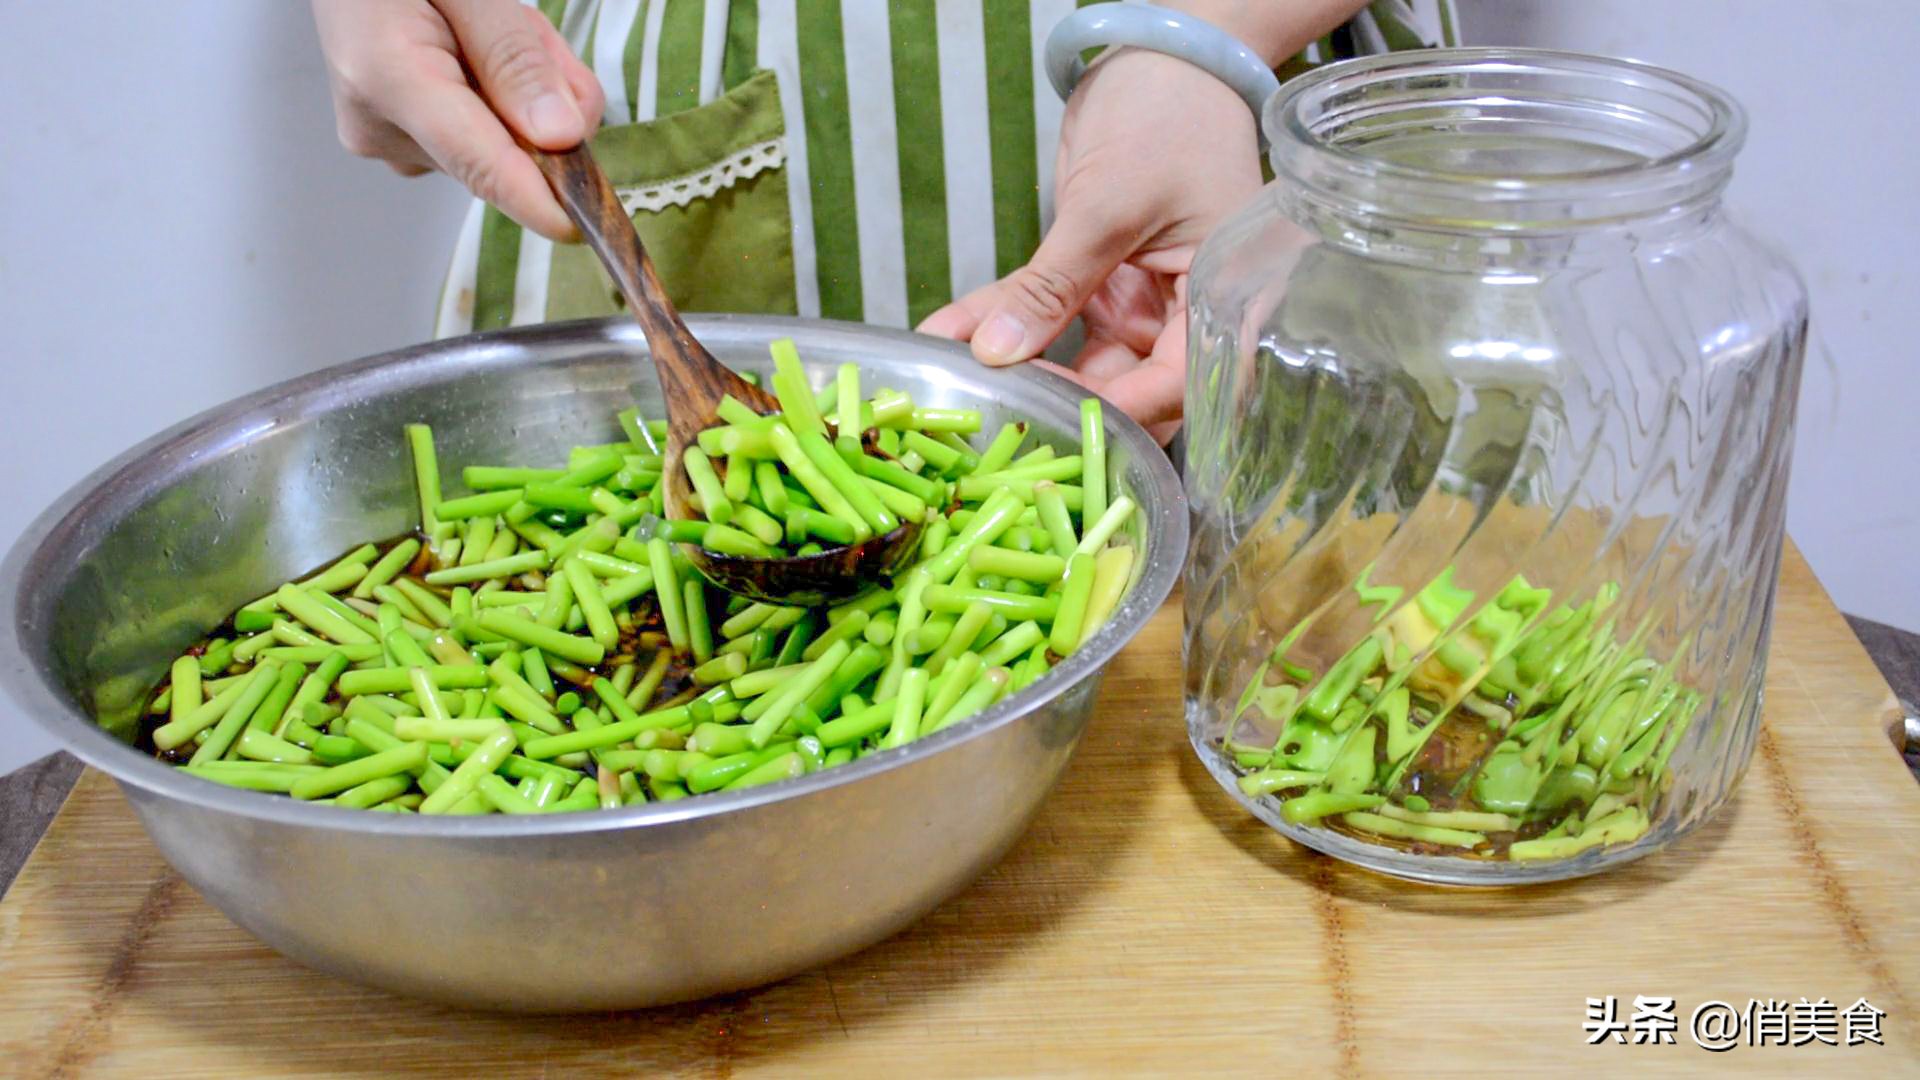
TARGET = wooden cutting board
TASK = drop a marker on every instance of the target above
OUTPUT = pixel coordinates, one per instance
(1146, 925)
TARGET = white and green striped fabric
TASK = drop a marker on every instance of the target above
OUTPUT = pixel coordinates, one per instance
(918, 145)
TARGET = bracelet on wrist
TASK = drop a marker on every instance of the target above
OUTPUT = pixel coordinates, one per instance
(1162, 30)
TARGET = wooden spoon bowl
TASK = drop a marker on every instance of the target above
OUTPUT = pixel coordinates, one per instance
(810, 580)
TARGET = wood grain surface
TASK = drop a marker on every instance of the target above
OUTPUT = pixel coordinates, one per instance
(1145, 926)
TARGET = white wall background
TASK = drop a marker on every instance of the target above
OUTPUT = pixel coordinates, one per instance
(178, 226)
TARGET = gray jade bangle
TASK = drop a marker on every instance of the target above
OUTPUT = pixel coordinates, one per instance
(1158, 29)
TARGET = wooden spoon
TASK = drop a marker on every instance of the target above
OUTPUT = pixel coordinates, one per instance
(693, 383)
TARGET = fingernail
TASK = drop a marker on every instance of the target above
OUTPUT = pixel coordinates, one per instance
(999, 339)
(552, 119)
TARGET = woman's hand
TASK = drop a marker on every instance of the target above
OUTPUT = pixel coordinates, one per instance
(1153, 154)
(408, 78)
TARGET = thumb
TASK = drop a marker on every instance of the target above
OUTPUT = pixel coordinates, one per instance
(502, 42)
(1022, 313)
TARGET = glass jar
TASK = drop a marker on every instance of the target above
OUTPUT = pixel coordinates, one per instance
(1490, 409)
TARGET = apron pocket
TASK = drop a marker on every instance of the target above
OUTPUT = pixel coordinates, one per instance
(707, 189)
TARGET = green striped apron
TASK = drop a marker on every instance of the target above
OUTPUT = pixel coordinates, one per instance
(853, 159)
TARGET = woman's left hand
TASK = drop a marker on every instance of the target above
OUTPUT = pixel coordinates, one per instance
(1153, 154)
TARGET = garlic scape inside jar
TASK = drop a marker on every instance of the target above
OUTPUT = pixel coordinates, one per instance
(1527, 730)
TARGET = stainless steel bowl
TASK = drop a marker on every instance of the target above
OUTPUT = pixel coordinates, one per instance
(603, 910)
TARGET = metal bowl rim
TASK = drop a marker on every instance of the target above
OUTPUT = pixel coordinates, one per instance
(44, 705)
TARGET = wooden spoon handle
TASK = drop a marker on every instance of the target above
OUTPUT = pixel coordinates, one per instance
(692, 380)
(589, 199)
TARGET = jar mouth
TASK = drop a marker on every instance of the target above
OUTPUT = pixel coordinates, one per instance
(1504, 139)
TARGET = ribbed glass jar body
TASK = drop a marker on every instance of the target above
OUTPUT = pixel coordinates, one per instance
(1490, 411)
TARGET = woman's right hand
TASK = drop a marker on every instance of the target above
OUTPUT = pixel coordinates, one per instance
(408, 78)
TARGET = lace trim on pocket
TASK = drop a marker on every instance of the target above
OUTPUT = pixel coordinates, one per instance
(681, 190)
